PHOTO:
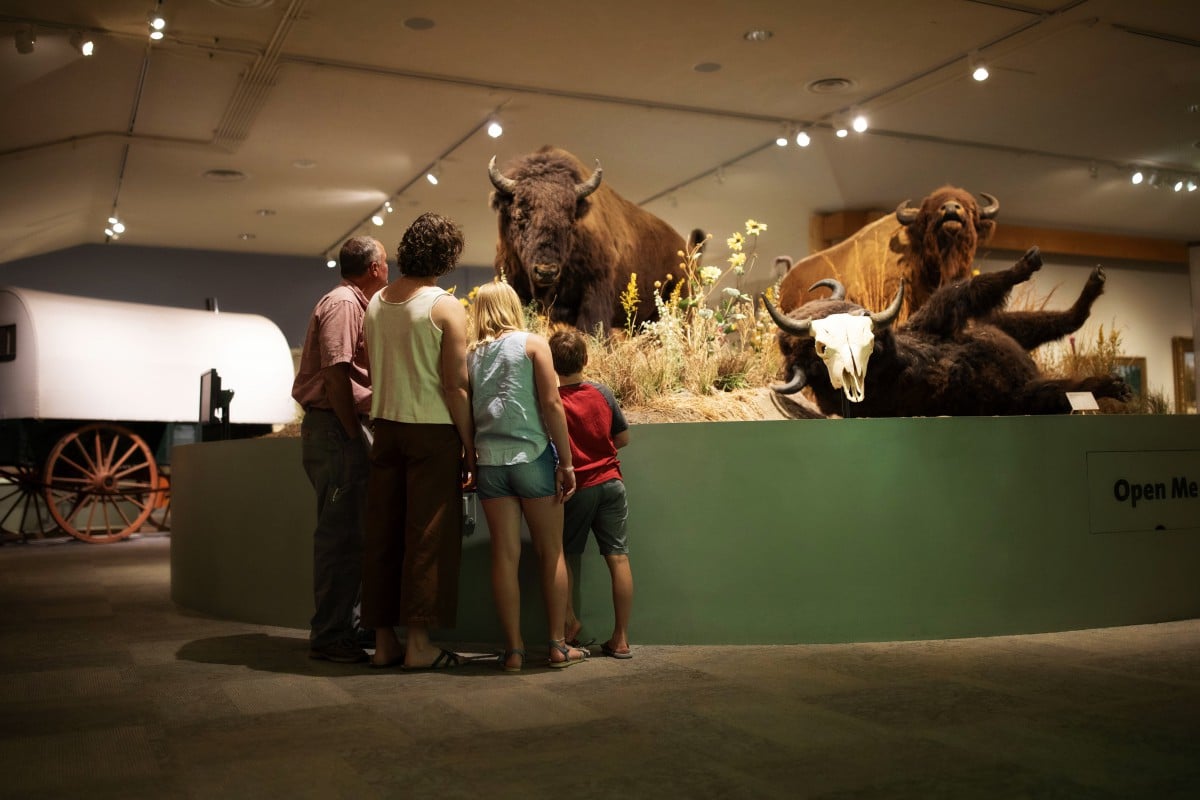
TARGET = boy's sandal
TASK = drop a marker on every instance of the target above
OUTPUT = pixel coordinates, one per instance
(561, 646)
(507, 654)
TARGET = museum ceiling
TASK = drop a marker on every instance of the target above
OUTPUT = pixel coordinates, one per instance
(281, 126)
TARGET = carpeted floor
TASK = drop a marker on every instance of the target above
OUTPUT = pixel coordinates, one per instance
(108, 691)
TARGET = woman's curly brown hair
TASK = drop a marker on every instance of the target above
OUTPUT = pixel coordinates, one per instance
(430, 247)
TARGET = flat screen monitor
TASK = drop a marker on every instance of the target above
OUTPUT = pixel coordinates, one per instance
(210, 397)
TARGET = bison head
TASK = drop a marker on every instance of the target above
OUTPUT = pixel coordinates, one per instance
(538, 206)
(839, 334)
(944, 232)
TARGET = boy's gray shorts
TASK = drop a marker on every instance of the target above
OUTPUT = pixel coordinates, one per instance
(602, 509)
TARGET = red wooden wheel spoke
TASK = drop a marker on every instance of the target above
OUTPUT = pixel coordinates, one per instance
(112, 450)
(91, 467)
(82, 470)
(130, 471)
(132, 449)
(119, 510)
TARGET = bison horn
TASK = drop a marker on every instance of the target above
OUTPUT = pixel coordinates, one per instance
(503, 185)
(993, 205)
(906, 214)
(582, 190)
(884, 318)
(797, 382)
(796, 327)
(839, 291)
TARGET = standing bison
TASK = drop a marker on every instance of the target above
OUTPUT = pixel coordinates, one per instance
(571, 244)
(960, 355)
(926, 247)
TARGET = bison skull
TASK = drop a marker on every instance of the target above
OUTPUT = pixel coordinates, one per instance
(844, 342)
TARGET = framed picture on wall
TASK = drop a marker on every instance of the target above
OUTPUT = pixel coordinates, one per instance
(1183, 360)
(1132, 370)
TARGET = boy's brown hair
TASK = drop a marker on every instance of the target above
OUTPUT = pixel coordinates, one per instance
(569, 351)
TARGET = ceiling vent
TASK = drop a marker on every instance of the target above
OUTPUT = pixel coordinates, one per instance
(830, 85)
(242, 3)
(225, 175)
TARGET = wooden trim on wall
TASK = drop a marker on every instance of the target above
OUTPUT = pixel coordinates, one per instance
(827, 230)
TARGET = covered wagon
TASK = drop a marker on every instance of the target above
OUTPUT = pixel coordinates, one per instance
(94, 393)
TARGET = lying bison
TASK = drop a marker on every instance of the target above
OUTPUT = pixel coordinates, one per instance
(959, 355)
(571, 244)
(926, 247)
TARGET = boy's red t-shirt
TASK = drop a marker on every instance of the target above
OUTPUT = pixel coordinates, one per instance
(593, 419)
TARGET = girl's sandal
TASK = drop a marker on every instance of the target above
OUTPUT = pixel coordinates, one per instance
(507, 654)
(561, 646)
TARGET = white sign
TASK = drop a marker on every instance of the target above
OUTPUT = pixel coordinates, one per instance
(1144, 490)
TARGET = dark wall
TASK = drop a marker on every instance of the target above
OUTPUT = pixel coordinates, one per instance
(281, 288)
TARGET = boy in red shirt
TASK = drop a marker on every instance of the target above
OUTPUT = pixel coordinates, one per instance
(597, 429)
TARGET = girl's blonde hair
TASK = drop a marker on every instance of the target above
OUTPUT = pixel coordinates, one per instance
(495, 310)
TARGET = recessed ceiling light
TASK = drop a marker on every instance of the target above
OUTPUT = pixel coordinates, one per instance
(419, 23)
(265, 212)
(707, 66)
(758, 35)
(829, 85)
(225, 175)
(245, 237)
(304, 163)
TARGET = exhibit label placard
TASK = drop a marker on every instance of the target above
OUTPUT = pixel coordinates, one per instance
(1144, 490)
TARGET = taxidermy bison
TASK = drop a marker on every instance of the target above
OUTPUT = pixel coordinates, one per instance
(926, 247)
(570, 243)
(959, 355)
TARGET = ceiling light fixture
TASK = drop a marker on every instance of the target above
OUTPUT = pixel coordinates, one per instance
(115, 227)
(377, 220)
(433, 175)
(330, 263)
(24, 39)
(1179, 184)
(859, 122)
(840, 127)
(494, 128)
(784, 137)
(979, 70)
(1191, 184)
(83, 43)
(1137, 176)
(803, 139)
(156, 22)
(757, 35)
(1154, 180)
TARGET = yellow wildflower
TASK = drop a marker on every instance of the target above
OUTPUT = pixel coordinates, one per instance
(735, 242)
(754, 228)
(737, 260)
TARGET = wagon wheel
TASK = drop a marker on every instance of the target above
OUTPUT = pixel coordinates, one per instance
(23, 510)
(100, 482)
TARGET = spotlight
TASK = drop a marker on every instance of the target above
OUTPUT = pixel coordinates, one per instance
(25, 39)
(1137, 177)
(83, 43)
(115, 227)
(1178, 185)
(979, 70)
(376, 220)
(331, 263)
(494, 128)
(860, 122)
(786, 133)
(1191, 184)
(156, 23)
(1154, 180)
(432, 175)
(803, 139)
(840, 130)
(387, 206)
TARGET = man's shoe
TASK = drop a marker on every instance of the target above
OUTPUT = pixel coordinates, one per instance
(342, 652)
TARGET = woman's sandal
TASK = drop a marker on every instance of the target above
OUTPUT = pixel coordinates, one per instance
(561, 646)
(506, 655)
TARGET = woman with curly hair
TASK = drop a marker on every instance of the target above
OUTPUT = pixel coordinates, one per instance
(524, 459)
(423, 453)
